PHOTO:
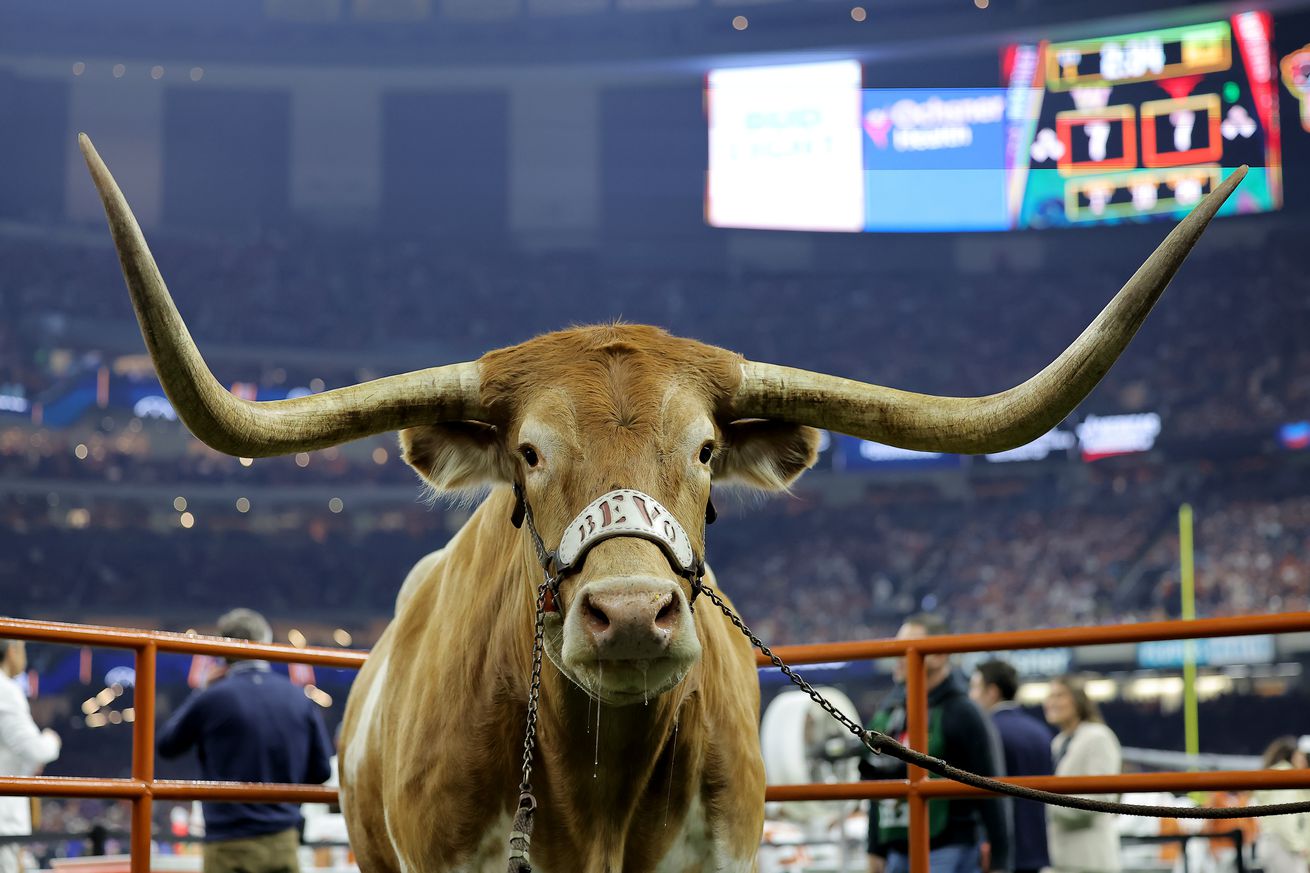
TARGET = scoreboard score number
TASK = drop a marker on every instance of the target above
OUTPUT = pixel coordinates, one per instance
(1127, 127)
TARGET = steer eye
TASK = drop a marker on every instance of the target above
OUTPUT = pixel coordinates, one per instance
(529, 455)
(706, 453)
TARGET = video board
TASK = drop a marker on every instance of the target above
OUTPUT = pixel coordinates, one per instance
(1144, 124)
(1080, 132)
(803, 147)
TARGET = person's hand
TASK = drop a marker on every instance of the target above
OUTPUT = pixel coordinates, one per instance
(877, 864)
(59, 744)
(985, 856)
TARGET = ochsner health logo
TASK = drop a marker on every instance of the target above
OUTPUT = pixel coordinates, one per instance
(925, 125)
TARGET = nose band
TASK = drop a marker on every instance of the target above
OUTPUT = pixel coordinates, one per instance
(625, 512)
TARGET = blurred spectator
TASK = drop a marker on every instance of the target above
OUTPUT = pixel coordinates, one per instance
(24, 750)
(957, 733)
(1081, 841)
(1026, 743)
(250, 725)
(1284, 844)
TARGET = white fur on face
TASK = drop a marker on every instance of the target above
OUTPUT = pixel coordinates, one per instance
(617, 682)
(550, 447)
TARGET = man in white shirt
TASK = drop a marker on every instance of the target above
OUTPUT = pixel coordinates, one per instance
(24, 750)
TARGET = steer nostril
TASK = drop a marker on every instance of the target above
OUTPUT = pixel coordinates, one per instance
(668, 614)
(597, 620)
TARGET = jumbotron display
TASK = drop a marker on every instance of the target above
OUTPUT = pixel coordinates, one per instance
(1090, 131)
(1144, 124)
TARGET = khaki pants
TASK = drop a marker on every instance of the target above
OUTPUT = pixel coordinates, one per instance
(270, 853)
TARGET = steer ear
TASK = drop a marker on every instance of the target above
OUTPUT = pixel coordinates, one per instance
(765, 454)
(456, 455)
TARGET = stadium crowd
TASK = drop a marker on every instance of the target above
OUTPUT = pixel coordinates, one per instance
(1211, 360)
(804, 568)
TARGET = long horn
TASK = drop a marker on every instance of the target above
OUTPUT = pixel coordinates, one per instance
(249, 429)
(978, 424)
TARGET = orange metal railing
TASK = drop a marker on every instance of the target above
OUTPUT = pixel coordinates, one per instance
(917, 788)
(142, 788)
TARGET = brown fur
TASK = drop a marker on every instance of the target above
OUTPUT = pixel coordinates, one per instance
(616, 405)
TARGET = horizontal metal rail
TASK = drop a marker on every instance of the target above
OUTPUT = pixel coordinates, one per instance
(143, 788)
(1068, 637)
(175, 643)
(1217, 780)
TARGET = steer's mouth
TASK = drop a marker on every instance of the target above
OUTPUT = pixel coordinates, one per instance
(625, 639)
(624, 682)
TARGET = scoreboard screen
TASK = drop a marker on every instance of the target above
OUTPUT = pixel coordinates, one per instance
(1127, 127)
(1079, 133)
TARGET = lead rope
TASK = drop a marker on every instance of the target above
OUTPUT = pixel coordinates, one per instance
(880, 743)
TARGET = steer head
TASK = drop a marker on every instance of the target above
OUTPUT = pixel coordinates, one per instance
(575, 415)
(571, 416)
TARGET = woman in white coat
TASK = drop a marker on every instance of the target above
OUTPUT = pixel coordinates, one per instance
(24, 749)
(1284, 843)
(1081, 841)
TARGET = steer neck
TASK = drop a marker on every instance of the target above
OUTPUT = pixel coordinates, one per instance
(621, 781)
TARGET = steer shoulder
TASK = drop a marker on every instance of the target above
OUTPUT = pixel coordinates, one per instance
(733, 781)
(417, 575)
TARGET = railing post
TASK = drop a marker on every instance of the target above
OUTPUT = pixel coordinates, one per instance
(916, 725)
(143, 756)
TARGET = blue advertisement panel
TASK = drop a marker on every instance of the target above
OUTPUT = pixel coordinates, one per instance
(852, 453)
(934, 159)
(1218, 651)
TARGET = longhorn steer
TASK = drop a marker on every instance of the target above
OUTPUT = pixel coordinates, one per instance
(648, 757)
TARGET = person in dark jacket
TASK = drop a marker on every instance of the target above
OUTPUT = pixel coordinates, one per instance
(958, 733)
(1026, 742)
(250, 725)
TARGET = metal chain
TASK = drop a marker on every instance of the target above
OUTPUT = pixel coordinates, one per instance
(534, 690)
(521, 833)
(549, 583)
(880, 743)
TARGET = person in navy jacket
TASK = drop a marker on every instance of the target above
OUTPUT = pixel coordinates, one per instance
(1027, 745)
(250, 724)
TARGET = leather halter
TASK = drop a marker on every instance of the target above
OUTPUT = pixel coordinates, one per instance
(623, 512)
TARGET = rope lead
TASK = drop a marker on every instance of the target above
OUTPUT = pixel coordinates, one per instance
(520, 835)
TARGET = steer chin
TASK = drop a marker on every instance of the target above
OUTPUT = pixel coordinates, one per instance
(630, 638)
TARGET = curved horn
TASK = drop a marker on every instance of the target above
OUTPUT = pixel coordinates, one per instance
(249, 429)
(978, 424)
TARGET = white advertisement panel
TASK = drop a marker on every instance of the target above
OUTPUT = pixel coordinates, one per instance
(785, 147)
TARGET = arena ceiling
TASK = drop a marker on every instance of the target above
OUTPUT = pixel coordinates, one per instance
(442, 32)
